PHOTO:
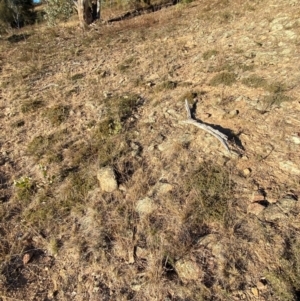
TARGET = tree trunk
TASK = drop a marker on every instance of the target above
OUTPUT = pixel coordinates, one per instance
(88, 12)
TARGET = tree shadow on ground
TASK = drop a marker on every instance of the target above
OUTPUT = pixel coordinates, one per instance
(16, 38)
(14, 271)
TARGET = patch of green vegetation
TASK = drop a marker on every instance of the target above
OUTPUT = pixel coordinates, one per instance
(121, 107)
(106, 128)
(49, 210)
(226, 67)
(80, 184)
(31, 105)
(57, 114)
(112, 150)
(209, 53)
(275, 99)
(255, 81)
(225, 78)
(232, 67)
(127, 105)
(47, 145)
(26, 188)
(166, 85)
(190, 96)
(285, 280)
(212, 191)
(39, 146)
(276, 88)
(107, 141)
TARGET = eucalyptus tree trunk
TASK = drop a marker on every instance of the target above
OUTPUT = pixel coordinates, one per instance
(88, 11)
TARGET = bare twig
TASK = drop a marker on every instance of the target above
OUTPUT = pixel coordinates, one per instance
(220, 136)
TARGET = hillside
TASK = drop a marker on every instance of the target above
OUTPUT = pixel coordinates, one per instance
(106, 194)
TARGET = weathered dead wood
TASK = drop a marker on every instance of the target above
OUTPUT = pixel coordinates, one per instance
(217, 134)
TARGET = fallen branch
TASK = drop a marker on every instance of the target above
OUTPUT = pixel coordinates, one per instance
(220, 136)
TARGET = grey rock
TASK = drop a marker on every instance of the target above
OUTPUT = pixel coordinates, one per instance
(274, 213)
(188, 270)
(290, 167)
(107, 179)
(145, 206)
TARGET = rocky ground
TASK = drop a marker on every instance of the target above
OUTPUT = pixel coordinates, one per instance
(107, 195)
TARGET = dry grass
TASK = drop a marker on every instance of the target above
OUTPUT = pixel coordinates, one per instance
(113, 96)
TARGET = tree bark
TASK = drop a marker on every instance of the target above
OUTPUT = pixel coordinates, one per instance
(88, 12)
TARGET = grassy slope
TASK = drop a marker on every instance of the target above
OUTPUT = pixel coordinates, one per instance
(74, 102)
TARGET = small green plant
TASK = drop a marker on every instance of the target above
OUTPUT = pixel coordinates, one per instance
(25, 188)
(254, 81)
(23, 183)
(127, 105)
(225, 78)
(106, 128)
